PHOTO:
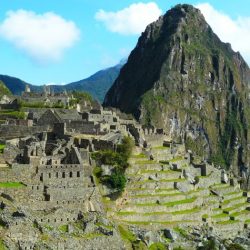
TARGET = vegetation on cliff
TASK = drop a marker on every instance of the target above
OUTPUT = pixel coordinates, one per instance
(3, 89)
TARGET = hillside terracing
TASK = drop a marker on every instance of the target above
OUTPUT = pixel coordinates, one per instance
(166, 189)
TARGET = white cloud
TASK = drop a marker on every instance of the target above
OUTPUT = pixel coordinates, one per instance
(131, 20)
(54, 83)
(236, 32)
(43, 37)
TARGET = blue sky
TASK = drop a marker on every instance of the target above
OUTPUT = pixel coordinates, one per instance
(82, 36)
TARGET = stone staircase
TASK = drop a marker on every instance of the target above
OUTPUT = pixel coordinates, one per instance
(151, 199)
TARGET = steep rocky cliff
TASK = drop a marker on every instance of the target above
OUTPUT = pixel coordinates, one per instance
(182, 77)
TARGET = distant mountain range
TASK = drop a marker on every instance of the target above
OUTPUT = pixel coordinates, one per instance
(97, 85)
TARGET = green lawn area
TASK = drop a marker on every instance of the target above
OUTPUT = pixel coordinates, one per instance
(161, 147)
(2, 247)
(139, 156)
(11, 185)
(63, 228)
(2, 146)
(227, 222)
(168, 204)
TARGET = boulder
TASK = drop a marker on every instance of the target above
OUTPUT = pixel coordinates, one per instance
(224, 177)
(170, 234)
(107, 170)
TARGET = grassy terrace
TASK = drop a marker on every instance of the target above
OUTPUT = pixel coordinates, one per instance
(240, 213)
(11, 185)
(179, 158)
(232, 193)
(139, 156)
(176, 193)
(168, 204)
(155, 171)
(146, 223)
(187, 211)
(162, 180)
(155, 195)
(146, 162)
(235, 207)
(227, 222)
(217, 216)
(160, 147)
(230, 200)
(2, 146)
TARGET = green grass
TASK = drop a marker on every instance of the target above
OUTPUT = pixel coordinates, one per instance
(161, 147)
(88, 236)
(187, 211)
(227, 222)
(149, 171)
(2, 147)
(63, 228)
(146, 162)
(179, 158)
(205, 216)
(162, 180)
(50, 228)
(11, 185)
(155, 195)
(240, 213)
(13, 114)
(222, 215)
(235, 207)
(126, 213)
(163, 189)
(166, 223)
(181, 231)
(168, 204)
(231, 193)
(104, 226)
(2, 246)
(233, 199)
(157, 246)
(164, 162)
(126, 234)
(139, 156)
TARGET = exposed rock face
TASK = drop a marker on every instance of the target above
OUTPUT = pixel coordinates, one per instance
(182, 77)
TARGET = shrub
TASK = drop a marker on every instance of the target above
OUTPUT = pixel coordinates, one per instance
(118, 180)
(119, 160)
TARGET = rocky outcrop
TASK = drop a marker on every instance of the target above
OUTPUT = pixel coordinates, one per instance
(182, 77)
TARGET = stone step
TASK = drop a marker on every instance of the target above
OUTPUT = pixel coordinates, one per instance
(192, 214)
(233, 201)
(154, 198)
(226, 226)
(156, 175)
(220, 217)
(163, 224)
(236, 208)
(164, 207)
(232, 195)
(216, 211)
(145, 191)
(224, 189)
(243, 215)
(151, 184)
(135, 168)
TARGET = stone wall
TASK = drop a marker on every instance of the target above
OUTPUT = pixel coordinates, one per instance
(83, 127)
(12, 131)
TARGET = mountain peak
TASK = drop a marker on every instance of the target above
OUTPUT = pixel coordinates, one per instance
(182, 78)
